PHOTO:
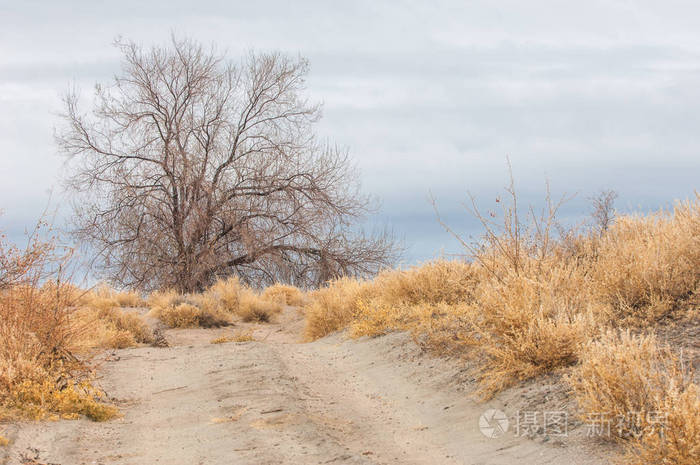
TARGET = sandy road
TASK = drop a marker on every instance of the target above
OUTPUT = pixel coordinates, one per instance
(280, 402)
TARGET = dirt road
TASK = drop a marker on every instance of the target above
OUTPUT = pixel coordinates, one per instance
(277, 401)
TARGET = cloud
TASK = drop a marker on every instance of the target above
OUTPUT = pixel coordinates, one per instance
(427, 96)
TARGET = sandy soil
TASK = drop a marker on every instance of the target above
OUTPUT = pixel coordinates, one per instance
(277, 401)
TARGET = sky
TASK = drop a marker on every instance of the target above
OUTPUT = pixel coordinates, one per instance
(429, 97)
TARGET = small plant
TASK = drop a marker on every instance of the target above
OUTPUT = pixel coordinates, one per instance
(239, 336)
(603, 212)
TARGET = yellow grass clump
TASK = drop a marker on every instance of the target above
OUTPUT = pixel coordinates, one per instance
(647, 267)
(642, 394)
(39, 375)
(109, 328)
(238, 336)
(217, 306)
(530, 300)
(184, 314)
(104, 297)
(334, 306)
(225, 293)
(252, 308)
(284, 294)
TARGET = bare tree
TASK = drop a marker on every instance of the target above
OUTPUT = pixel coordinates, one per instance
(190, 168)
(603, 213)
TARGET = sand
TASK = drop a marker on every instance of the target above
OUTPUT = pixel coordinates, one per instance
(278, 401)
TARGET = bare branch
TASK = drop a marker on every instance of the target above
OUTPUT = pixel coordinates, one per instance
(189, 168)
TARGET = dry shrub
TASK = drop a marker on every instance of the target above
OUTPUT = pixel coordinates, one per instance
(395, 300)
(333, 307)
(680, 444)
(44, 399)
(647, 267)
(162, 299)
(525, 324)
(110, 327)
(376, 318)
(39, 375)
(646, 392)
(534, 293)
(284, 294)
(225, 293)
(183, 314)
(519, 328)
(251, 307)
(207, 310)
(214, 307)
(231, 296)
(438, 281)
(4, 441)
(238, 336)
(103, 296)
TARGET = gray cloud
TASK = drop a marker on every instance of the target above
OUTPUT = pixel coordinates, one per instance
(427, 96)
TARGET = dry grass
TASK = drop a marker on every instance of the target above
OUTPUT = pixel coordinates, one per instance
(529, 301)
(334, 307)
(225, 294)
(39, 375)
(238, 336)
(252, 308)
(646, 268)
(104, 297)
(184, 314)
(284, 294)
(645, 392)
(109, 328)
(215, 307)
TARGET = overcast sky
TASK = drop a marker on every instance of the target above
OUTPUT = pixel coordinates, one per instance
(427, 95)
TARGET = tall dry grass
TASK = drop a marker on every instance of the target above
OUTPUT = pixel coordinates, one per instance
(529, 300)
(39, 374)
(645, 395)
(217, 306)
(284, 294)
(334, 306)
(534, 295)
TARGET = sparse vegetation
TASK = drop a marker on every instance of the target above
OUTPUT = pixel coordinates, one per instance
(238, 336)
(103, 296)
(530, 302)
(39, 374)
(217, 306)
